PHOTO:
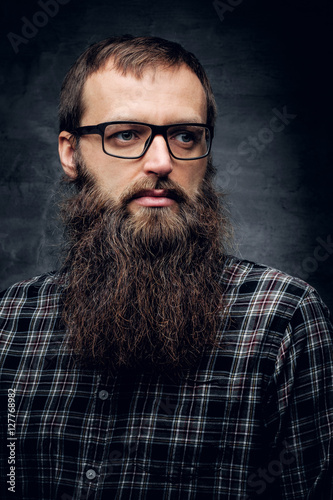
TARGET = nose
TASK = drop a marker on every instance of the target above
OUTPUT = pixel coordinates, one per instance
(157, 159)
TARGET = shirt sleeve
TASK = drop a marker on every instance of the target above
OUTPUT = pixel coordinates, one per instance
(300, 406)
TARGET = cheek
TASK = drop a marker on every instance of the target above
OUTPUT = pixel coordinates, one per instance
(191, 178)
(113, 185)
(111, 177)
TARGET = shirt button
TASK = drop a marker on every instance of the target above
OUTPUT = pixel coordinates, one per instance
(103, 395)
(91, 474)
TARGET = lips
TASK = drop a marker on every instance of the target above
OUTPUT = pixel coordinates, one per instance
(158, 193)
(154, 198)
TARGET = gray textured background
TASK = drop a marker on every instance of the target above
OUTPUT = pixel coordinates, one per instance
(260, 56)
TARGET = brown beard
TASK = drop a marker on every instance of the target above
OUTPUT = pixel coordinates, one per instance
(144, 289)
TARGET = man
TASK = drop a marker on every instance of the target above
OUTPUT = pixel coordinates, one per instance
(154, 365)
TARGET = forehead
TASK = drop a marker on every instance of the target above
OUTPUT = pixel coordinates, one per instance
(159, 96)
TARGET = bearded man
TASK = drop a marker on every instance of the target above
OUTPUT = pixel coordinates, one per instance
(154, 365)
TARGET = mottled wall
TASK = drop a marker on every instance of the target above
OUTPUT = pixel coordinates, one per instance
(265, 59)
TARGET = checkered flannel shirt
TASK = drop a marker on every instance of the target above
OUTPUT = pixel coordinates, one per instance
(254, 420)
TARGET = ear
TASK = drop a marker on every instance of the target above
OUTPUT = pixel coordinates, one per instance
(66, 149)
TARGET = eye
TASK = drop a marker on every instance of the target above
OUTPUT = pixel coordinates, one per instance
(121, 133)
(125, 135)
(184, 137)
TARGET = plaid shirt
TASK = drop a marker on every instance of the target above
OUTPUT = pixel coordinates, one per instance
(254, 420)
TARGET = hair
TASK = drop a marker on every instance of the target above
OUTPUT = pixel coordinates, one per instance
(128, 54)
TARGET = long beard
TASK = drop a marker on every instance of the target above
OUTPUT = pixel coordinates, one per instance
(144, 289)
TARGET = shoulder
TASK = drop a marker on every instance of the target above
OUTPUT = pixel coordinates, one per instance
(45, 284)
(262, 292)
(30, 298)
(30, 321)
(246, 277)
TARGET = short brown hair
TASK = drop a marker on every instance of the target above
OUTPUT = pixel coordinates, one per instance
(129, 54)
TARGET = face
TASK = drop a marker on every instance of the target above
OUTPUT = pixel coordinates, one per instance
(160, 97)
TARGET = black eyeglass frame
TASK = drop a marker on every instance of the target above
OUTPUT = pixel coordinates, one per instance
(156, 130)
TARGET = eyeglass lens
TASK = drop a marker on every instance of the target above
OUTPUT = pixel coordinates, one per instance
(129, 140)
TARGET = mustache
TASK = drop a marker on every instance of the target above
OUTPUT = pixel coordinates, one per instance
(174, 190)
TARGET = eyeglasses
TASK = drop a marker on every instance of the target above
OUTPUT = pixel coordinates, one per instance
(131, 140)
